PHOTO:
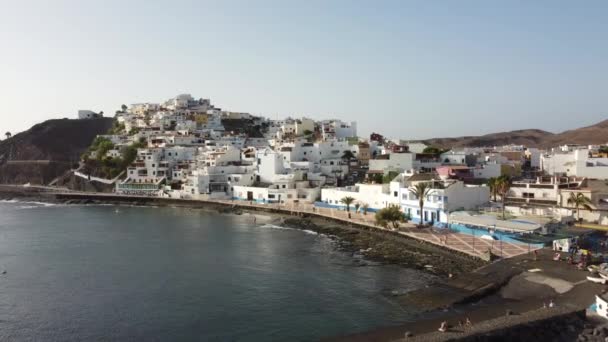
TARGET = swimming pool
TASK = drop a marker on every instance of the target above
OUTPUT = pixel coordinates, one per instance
(502, 236)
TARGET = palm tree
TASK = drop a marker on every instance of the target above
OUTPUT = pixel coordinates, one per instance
(493, 184)
(347, 201)
(502, 187)
(421, 190)
(8, 135)
(357, 206)
(365, 207)
(579, 200)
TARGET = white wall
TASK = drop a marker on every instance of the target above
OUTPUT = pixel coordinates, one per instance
(397, 162)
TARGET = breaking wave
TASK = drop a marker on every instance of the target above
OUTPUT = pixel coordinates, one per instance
(274, 226)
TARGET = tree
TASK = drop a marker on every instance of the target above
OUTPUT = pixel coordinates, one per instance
(348, 155)
(307, 132)
(8, 135)
(579, 201)
(502, 187)
(433, 150)
(391, 214)
(421, 191)
(347, 201)
(389, 177)
(365, 207)
(124, 108)
(357, 206)
(493, 184)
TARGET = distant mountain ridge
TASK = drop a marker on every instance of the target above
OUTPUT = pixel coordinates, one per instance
(590, 135)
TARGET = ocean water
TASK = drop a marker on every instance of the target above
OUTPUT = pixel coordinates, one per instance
(106, 273)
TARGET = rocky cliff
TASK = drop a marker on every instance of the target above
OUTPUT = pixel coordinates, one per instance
(47, 150)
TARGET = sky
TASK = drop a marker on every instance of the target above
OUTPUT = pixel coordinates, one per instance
(407, 69)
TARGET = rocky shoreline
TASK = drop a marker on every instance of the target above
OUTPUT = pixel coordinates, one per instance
(389, 248)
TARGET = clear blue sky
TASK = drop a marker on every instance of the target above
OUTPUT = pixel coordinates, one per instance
(410, 69)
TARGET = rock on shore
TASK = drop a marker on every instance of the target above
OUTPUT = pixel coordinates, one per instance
(390, 248)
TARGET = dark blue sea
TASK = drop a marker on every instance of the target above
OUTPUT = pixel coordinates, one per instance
(118, 273)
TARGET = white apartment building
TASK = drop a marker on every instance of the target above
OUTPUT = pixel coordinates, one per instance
(337, 129)
(376, 196)
(543, 191)
(575, 163)
(398, 162)
(446, 197)
(218, 181)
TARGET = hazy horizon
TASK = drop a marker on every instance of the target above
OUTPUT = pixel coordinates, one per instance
(414, 70)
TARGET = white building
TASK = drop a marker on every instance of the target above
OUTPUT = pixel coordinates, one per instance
(88, 114)
(445, 197)
(398, 162)
(417, 147)
(575, 163)
(376, 196)
(337, 129)
(544, 191)
(487, 170)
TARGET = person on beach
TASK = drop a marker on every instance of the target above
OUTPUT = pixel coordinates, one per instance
(467, 323)
(443, 327)
(255, 219)
(551, 304)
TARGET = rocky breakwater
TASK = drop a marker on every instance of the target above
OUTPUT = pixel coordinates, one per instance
(389, 247)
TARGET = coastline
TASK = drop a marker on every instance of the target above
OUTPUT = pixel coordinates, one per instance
(474, 290)
(377, 245)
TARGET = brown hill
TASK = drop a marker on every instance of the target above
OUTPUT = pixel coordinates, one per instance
(48, 149)
(591, 135)
(595, 134)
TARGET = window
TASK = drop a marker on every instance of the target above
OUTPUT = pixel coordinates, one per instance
(270, 196)
(283, 186)
(395, 193)
(259, 161)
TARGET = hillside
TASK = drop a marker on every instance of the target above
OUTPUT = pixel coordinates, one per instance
(48, 149)
(595, 134)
